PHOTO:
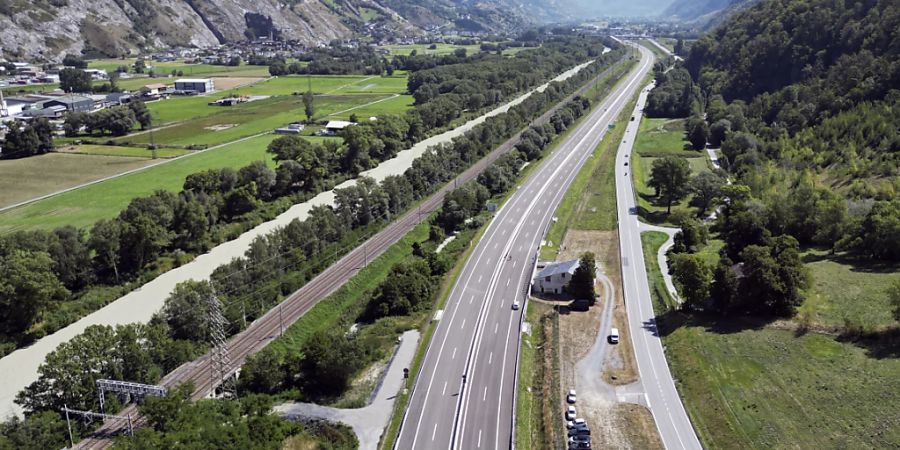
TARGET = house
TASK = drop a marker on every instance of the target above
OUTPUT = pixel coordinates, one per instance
(198, 85)
(553, 277)
(154, 90)
(96, 74)
(294, 128)
(72, 103)
(118, 98)
(334, 126)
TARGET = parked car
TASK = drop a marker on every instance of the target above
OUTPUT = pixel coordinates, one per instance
(571, 398)
(580, 431)
(575, 423)
(579, 438)
(570, 413)
(580, 446)
(614, 336)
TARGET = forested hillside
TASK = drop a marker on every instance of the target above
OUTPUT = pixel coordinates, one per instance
(802, 96)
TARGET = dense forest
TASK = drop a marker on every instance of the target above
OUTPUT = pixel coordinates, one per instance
(802, 96)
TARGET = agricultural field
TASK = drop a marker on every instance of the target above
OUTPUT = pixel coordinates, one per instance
(188, 70)
(747, 387)
(112, 150)
(848, 292)
(345, 84)
(26, 178)
(235, 122)
(442, 49)
(82, 207)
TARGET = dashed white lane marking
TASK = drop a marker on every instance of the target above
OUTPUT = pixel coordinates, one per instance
(471, 299)
(434, 432)
(463, 324)
(479, 438)
(496, 326)
(484, 397)
(454, 353)
(444, 390)
(507, 282)
(490, 359)
(480, 277)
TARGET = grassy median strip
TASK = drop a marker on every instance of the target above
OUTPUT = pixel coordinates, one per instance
(651, 241)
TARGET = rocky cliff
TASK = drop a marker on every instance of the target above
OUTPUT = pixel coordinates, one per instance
(47, 29)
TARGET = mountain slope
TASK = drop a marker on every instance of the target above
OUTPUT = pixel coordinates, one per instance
(47, 29)
(704, 12)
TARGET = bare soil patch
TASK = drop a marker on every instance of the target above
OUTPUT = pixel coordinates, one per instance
(220, 127)
(225, 83)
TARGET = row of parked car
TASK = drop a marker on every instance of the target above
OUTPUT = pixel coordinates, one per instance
(579, 435)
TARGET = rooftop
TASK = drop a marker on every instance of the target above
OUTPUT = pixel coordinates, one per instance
(558, 268)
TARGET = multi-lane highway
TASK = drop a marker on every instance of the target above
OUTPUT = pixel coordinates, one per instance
(672, 421)
(267, 328)
(464, 394)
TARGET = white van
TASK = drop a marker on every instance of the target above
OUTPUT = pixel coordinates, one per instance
(614, 336)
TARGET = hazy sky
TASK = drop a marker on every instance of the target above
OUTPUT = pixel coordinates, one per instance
(647, 8)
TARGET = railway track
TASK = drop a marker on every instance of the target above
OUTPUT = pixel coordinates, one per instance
(266, 328)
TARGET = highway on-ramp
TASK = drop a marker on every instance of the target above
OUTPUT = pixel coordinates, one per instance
(672, 420)
(464, 394)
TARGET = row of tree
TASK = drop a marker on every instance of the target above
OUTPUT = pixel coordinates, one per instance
(27, 139)
(115, 120)
(251, 285)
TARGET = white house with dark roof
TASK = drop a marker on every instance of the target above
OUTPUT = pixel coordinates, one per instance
(553, 277)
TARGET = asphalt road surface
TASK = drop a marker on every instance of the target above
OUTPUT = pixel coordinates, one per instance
(673, 423)
(478, 335)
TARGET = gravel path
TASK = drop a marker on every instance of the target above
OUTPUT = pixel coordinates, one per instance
(20, 368)
(369, 422)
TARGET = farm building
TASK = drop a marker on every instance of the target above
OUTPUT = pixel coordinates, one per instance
(294, 128)
(198, 85)
(154, 90)
(72, 103)
(553, 277)
(335, 126)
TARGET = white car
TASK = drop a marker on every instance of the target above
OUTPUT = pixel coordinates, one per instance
(515, 305)
(571, 398)
(574, 423)
(570, 413)
(613, 336)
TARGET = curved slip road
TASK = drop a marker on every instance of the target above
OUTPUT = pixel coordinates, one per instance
(671, 419)
(479, 335)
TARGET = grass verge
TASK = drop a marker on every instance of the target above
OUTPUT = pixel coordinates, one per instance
(651, 241)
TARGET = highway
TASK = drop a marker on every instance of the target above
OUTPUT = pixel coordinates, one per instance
(464, 394)
(671, 419)
(265, 329)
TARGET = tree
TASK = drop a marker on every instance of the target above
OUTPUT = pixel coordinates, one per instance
(692, 235)
(140, 66)
(186, 311)
(893, 294)
(77, 62)
(141, 113)
(697, 133)
(33, 138)
(309, 105)
(706, 187)
(724, 288)
(693, 277)
(27, 286)
(39, 431)
(407, 287)
(774, 277)
(581, 286)
(263, 373)
(71, 257)
(718, 131)
(669, 176)
(74, 80)
(105, 242)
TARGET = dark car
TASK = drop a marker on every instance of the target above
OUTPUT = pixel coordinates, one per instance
(579, 446)
(585, 431)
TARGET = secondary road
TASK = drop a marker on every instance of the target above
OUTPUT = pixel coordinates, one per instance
(674, 426)
(464, 394)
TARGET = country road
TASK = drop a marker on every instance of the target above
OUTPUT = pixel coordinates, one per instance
(464, 394)
(662, 397)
